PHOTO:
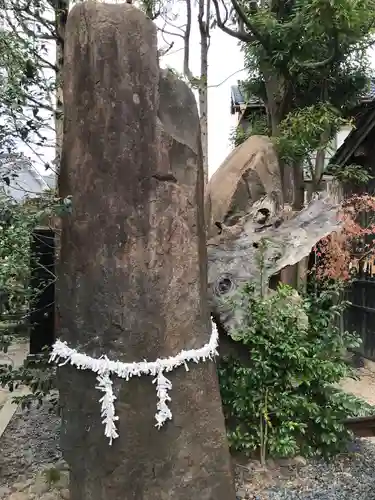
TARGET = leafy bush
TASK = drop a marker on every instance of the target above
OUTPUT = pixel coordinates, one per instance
(17, 222)
(256, 125)
(39, 376)
(285, 401)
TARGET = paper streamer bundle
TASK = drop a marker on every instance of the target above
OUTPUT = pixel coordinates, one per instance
(104, 368)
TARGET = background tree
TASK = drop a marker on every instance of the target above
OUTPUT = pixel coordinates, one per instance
(31, 114)
(38, 30)
(307, 61)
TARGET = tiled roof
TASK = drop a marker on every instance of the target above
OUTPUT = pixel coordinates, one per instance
(364, 126)
(237, 98)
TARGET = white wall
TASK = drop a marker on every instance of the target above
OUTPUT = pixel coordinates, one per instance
(26, 184)
(342, 135)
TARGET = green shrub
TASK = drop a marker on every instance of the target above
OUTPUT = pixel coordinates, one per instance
(256, 125)
(286, 403)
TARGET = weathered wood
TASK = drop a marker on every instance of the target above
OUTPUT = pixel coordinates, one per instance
(361, 426)
(132, 274)
(244, 209)
(237, 255)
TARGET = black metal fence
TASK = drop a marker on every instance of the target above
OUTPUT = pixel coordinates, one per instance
(42, 314)
(360, 315)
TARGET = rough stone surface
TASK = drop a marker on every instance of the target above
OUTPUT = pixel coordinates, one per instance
(250, 172)
(132, 277)
(346, 477)
(18, 495)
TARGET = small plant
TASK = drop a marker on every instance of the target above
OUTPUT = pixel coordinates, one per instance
(355, 174)
(286, 403)
(257, 125)
(39, 376)
(52, 475)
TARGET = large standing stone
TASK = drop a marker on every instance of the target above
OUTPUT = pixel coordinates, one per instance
(132, 277)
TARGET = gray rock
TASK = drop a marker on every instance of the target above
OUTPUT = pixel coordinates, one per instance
(22, 485)
(271, 464)
(63, 482)
(5, 492)
(300, 461)
(62, 465)
(297, 461)
(241, 493)
(65, 494)
(347, 477)
(40, 485)
(33, 434)
(133, 265)
(18, 495)
(50, 495)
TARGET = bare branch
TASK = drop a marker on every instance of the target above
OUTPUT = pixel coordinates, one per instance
(240, 35)
(170, 23)
(226, 79)
(35, 17)
(164, 52)
(174, 52)
(22, 20)
(225, 20)
(164, 31)
(47, 63)
(187, 70)
(41, 104)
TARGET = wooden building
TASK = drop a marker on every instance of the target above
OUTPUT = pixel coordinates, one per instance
(359, 149)
(248, 109)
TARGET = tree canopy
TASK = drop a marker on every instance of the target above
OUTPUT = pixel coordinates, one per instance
(308, 62)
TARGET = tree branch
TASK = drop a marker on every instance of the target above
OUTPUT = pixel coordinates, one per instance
(187, 70)
(334, 50)
(246, 21)
(319, 64)
(40, 104)
(226, 79)
(240, 35)
(165, 32)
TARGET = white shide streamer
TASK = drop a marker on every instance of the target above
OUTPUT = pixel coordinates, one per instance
(104, 368)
